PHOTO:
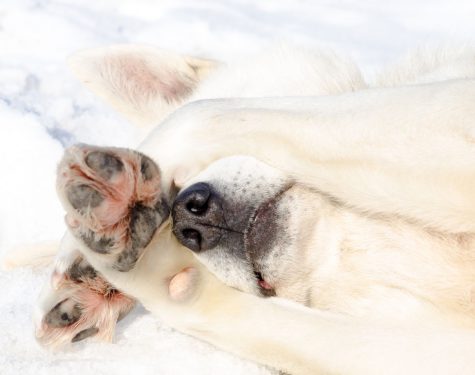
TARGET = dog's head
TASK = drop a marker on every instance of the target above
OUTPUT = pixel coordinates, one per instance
(249, 223)
(145, 84)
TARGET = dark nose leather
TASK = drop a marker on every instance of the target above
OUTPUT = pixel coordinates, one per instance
(198, 217)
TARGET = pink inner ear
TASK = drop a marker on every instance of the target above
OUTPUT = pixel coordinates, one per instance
(175, 90)
(139, 82)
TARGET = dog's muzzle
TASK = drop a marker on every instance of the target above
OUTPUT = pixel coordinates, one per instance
(198, 220)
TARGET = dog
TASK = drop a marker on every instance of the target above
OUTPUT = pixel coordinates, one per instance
(342, 202)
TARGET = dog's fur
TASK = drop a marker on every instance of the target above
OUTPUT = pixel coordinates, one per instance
(371, 194)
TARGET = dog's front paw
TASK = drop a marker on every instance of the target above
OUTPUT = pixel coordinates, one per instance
(113, 200)
(77, 304)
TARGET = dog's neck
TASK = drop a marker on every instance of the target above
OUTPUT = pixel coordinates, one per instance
(365, 264)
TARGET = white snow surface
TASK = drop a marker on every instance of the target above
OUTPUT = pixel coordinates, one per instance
(43, 109)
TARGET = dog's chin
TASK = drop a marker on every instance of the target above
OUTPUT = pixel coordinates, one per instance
(261, 234)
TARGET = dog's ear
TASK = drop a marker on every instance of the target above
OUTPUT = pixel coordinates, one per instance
(142, 83)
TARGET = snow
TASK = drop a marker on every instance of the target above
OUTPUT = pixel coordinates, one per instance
(43, 109)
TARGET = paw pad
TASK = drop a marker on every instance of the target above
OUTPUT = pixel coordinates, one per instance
(88, 306)
(113, 200)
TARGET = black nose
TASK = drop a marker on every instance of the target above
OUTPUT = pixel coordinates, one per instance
(198, 217)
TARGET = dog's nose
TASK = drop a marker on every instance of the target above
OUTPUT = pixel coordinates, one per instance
(198, 217)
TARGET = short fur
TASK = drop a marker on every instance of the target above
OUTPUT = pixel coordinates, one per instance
(398, 165)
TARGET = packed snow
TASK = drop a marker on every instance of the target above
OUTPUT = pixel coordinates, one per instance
(43, 109)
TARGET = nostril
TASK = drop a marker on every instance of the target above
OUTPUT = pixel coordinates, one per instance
(192, 238)
(197, 202)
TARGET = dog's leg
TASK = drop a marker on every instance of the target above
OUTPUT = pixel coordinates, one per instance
(114, 207)
(304, 341)
(406, 151)
(299, 340)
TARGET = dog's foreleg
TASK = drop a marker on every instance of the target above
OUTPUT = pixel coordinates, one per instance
(35, 255)
(299, 340)
(408, 151)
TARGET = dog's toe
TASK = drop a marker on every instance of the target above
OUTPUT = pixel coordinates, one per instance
(63, 314)
(104, 164)
(84, 334)
(83, 197)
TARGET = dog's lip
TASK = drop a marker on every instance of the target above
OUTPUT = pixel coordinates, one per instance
(253, 236)
(259, 213)
(265, 289)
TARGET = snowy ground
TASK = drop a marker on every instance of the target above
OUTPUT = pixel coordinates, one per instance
(43, 109)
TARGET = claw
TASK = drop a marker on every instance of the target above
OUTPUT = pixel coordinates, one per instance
(85, 334)
(40, 331)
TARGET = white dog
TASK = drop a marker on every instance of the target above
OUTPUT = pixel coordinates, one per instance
(357, 204)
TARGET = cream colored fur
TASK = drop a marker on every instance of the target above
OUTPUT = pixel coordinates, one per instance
(37, 255)
(405, 153)
(143, 83)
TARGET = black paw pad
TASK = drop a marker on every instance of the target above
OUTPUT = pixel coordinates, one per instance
(81, 270)
(83, 196)
(144, 222)
(126, 260)
(101, 245)
(63, 314)
(148, 168)
(105, 165)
